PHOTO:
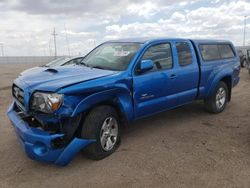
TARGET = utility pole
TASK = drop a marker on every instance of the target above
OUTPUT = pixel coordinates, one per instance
(67, 39)
(50, 50)
(54, 34)
(1, 44)
(244, 35)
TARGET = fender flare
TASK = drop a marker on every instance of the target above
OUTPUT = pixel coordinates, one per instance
(120, 97)
(219, 76)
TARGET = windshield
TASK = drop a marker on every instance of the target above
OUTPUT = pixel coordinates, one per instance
(111, 56)
(57, 62)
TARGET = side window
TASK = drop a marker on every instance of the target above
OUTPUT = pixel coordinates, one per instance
(226, 51)
(184, 53)
(209, 52)
(161, 56)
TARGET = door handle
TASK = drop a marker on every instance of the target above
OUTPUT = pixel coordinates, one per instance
(173, 76)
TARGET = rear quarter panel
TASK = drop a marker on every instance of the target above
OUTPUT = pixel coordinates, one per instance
(214, 71)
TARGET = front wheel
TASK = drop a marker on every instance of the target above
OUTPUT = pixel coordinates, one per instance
(217, 102)
(101, 124)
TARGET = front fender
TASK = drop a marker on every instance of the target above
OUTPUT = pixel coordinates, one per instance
(120, 96)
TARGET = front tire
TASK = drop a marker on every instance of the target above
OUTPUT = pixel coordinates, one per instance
(217, 102)
(102, 124)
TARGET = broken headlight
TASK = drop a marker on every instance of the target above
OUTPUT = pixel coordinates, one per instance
(46, 102)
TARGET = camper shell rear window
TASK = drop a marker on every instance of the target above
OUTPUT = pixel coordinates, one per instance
(210, 52)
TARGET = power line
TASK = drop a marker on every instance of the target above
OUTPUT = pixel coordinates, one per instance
(54, 34)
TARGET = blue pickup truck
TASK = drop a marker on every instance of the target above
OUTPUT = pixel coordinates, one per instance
(58, 111)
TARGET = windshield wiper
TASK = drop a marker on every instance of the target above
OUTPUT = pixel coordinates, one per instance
(86, 65)
(97, 67)
(82, 63)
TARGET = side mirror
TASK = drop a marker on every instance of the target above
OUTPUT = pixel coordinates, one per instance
(146, 65)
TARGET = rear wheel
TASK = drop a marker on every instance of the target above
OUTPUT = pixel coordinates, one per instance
(217, 102)
(101, 124)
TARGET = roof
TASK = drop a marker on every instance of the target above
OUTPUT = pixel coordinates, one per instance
(210, 41)
(151, 39)
(141, 40)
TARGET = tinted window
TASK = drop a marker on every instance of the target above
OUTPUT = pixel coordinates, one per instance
(209, 52)
(160, 55)
(184, 53)
(226, 51)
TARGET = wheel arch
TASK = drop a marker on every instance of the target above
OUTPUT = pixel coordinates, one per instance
(119, 99)
(226, 78)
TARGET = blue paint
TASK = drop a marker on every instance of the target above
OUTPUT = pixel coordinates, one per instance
(37, 143)
(135, 95)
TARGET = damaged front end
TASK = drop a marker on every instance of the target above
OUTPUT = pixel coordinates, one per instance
(43, 115)
(52, 138)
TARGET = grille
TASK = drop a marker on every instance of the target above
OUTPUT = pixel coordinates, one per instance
(18, 94)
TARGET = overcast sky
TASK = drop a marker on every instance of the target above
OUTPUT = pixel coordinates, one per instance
(26, 25)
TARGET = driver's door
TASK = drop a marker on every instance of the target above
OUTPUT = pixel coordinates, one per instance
(154, 89)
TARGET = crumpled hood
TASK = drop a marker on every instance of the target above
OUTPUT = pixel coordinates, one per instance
(52, 79)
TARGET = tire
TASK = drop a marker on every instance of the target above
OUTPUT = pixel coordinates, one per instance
(102, 124)
(217, 102)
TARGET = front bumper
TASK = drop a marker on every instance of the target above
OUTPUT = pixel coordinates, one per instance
(38, 143)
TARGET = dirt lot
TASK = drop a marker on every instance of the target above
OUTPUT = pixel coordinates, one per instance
(186, 147)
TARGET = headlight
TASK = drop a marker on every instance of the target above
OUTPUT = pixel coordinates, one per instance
(46, 102)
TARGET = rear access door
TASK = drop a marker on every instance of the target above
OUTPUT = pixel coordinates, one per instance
(187, 72)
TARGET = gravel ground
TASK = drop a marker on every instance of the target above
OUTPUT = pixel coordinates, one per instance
(185, 147)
